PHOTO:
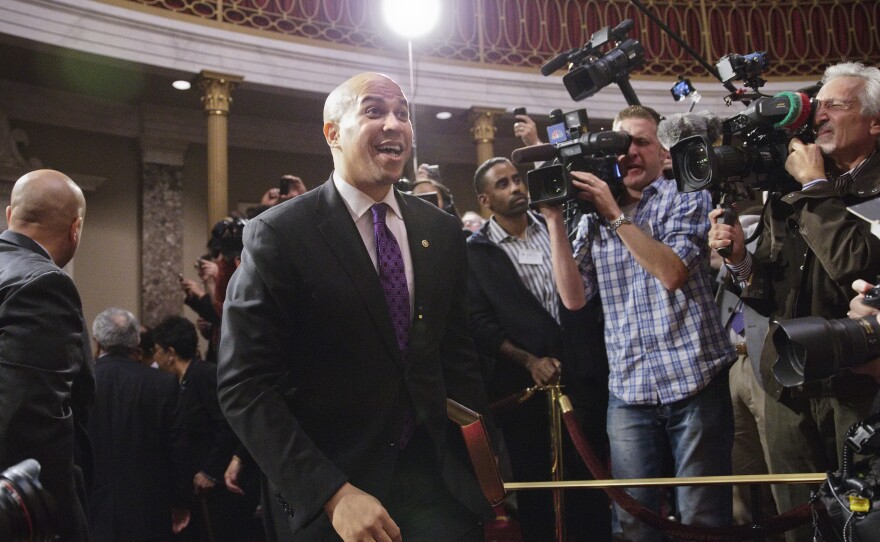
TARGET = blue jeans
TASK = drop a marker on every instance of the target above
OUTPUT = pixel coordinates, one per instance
(697, 431)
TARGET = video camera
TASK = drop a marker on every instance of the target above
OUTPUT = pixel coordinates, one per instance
(765, 129)
(591, 70)
(594, 153)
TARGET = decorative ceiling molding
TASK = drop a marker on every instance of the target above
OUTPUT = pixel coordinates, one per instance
(152, 38)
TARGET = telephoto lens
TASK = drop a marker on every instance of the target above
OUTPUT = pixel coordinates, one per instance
(814, 348)
(27, 511)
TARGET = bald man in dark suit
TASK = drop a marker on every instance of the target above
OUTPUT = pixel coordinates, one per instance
(337, 382)
(47, 378)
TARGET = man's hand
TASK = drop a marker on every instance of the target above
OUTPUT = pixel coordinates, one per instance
(596, 190)
(358, 516)
(202, 484)
(805, 162)
(723, 235)
(296, 188)
(525, 129)
(857, 310)
(179, 519)
(230, 477)
(544, 371)
(191, 288)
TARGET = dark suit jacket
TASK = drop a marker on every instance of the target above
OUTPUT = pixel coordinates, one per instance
(210, 440)
(311, 377)
(47, 379)
(140, 455)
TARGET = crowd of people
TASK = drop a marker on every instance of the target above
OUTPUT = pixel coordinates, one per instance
(318, 409)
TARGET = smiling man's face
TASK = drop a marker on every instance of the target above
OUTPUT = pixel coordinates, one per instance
(367, 125)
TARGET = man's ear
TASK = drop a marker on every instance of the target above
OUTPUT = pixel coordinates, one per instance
(331, 133)
(75, 229)
(483, 200)
(874, 127)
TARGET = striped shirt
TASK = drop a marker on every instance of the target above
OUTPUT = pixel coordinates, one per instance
(531, 259)
(663, 346)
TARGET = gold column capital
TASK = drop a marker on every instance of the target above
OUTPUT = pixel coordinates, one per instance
(217, 91)
(483, 120)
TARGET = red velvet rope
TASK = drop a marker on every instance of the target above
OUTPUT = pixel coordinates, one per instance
(776, 524)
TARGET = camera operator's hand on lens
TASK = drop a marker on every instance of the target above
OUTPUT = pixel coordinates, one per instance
(722, 235)
(526, 129)
(596, 190)
(544, 371)
(805, 162)
(357, 516)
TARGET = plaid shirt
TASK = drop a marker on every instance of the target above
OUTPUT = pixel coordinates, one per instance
(662, 346)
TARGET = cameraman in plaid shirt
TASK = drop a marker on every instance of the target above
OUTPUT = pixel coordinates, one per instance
(645, 255)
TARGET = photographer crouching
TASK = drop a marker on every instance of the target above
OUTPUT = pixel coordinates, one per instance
(809, 253)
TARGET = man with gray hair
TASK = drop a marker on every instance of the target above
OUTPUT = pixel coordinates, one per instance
(809, 254)
(141, 476)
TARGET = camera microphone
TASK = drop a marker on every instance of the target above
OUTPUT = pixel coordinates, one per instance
(620, 31)
(679, 126)
(556, 62)
(534, 153)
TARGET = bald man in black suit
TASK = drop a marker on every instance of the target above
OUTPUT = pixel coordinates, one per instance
(47, 378)
(345, 415)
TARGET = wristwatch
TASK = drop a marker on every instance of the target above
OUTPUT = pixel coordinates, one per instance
(620, 221)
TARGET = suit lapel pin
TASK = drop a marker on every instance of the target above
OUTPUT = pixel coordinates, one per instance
(425, 243)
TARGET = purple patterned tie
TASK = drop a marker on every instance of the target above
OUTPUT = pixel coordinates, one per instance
(393, 278)
(392, 275)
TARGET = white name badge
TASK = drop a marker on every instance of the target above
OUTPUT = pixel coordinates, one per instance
(531, 257)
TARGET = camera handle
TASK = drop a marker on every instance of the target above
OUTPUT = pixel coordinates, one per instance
(728, 217)
(629, 94)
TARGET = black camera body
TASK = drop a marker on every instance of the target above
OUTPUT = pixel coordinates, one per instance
(27, 511)
(594, 153)
(758, 162)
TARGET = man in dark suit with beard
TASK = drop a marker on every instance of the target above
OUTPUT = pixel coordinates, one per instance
(141, 489)
(344, 331)
(47, 379)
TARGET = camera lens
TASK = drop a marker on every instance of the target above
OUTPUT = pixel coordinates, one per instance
(696, 161)
(26, 510)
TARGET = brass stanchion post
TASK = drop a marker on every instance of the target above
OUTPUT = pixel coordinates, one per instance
(554, 393)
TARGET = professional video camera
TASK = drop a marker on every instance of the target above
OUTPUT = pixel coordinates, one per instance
(27, 511)
(591, 70)
(765, 129)
(594, 153)
(851, 496)
(813, 348)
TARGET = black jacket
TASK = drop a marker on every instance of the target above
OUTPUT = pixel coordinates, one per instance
(141, 467)
(47, 380)
(503, 308)
(310, 373)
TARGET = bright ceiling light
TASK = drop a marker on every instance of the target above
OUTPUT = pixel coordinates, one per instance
(180, 84)
(411, 18)
(444, 115)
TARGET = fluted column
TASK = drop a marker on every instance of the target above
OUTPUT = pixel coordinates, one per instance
(216, 97)
(483, 130)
